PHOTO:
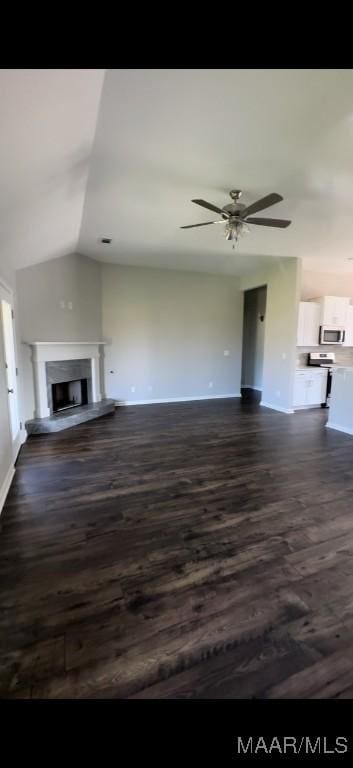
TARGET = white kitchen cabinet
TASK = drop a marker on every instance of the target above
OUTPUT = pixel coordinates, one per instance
(308, 324)
(299, 397)
(316, 390)
(348, 341)
(309, 387)
(333, 310)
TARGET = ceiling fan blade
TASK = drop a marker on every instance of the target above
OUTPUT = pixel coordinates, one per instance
(210, 207)
(270, 222)
(204, 224)
(265, 202)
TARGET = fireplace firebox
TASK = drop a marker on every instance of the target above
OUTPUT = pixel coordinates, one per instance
(69, 394)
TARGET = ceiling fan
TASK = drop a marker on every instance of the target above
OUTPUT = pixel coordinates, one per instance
(237, 215)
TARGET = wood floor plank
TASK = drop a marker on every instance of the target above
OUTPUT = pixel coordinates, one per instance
(19, 669)
(325, 679)
(244, 672)
(180, 550)
(321, 630)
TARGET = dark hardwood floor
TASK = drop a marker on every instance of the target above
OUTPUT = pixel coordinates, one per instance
(180, 550)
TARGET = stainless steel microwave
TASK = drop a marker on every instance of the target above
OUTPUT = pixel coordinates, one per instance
(331, 334)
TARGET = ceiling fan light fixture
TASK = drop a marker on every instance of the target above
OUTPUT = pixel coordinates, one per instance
(234, 229)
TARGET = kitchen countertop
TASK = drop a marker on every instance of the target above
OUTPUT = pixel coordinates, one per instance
(333, 366)
(337, 367)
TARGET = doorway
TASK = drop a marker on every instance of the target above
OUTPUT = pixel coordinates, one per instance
(8, 332)
(253, 341)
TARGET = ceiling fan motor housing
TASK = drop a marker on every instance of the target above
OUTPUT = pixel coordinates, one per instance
(233, 209)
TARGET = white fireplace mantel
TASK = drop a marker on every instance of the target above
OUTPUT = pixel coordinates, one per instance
(60, 343)
(50, 351)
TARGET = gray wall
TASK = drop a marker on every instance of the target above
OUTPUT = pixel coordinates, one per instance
(253, 338)
(40, 291)
(43, 287)
(283, 290)
(167, 332)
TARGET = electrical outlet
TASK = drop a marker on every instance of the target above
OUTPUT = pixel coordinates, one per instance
(226, 353)
(284, 355)
(150, 387)
(132, 389)
(210, 384)
(278, 393)
(69, 304)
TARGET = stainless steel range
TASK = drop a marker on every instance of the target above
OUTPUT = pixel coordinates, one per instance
(324, 360)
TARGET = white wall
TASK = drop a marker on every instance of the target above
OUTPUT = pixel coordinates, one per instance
(283, 288)
(40, 291)
(167, 332)
(325, 284)
(341, 404)
(48, 121)
(6, 457)
(253, 338)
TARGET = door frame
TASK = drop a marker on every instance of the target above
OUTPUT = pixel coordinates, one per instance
(7, 294)
(247, 291)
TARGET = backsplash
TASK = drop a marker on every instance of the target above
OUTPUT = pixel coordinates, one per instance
(344, 355)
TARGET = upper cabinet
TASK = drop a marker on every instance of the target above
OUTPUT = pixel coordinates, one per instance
(333, 310)
(326, 310)
(308, 324)
(348, 341)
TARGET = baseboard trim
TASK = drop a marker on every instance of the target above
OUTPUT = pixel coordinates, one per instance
(306, 407)
(5, 487)
(249, 386)
(339, 428)
(175, 399)
(276, 407)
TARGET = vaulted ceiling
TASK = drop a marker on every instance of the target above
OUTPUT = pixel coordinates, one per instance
(48, 122)
(86, 154)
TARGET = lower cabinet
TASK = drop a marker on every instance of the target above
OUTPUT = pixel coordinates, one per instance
(309, 388)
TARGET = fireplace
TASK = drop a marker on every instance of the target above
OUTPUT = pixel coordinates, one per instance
(69, 394)
(69, 384)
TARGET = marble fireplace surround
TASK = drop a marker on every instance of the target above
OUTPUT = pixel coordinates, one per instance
(67, 370)
(86, 354)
